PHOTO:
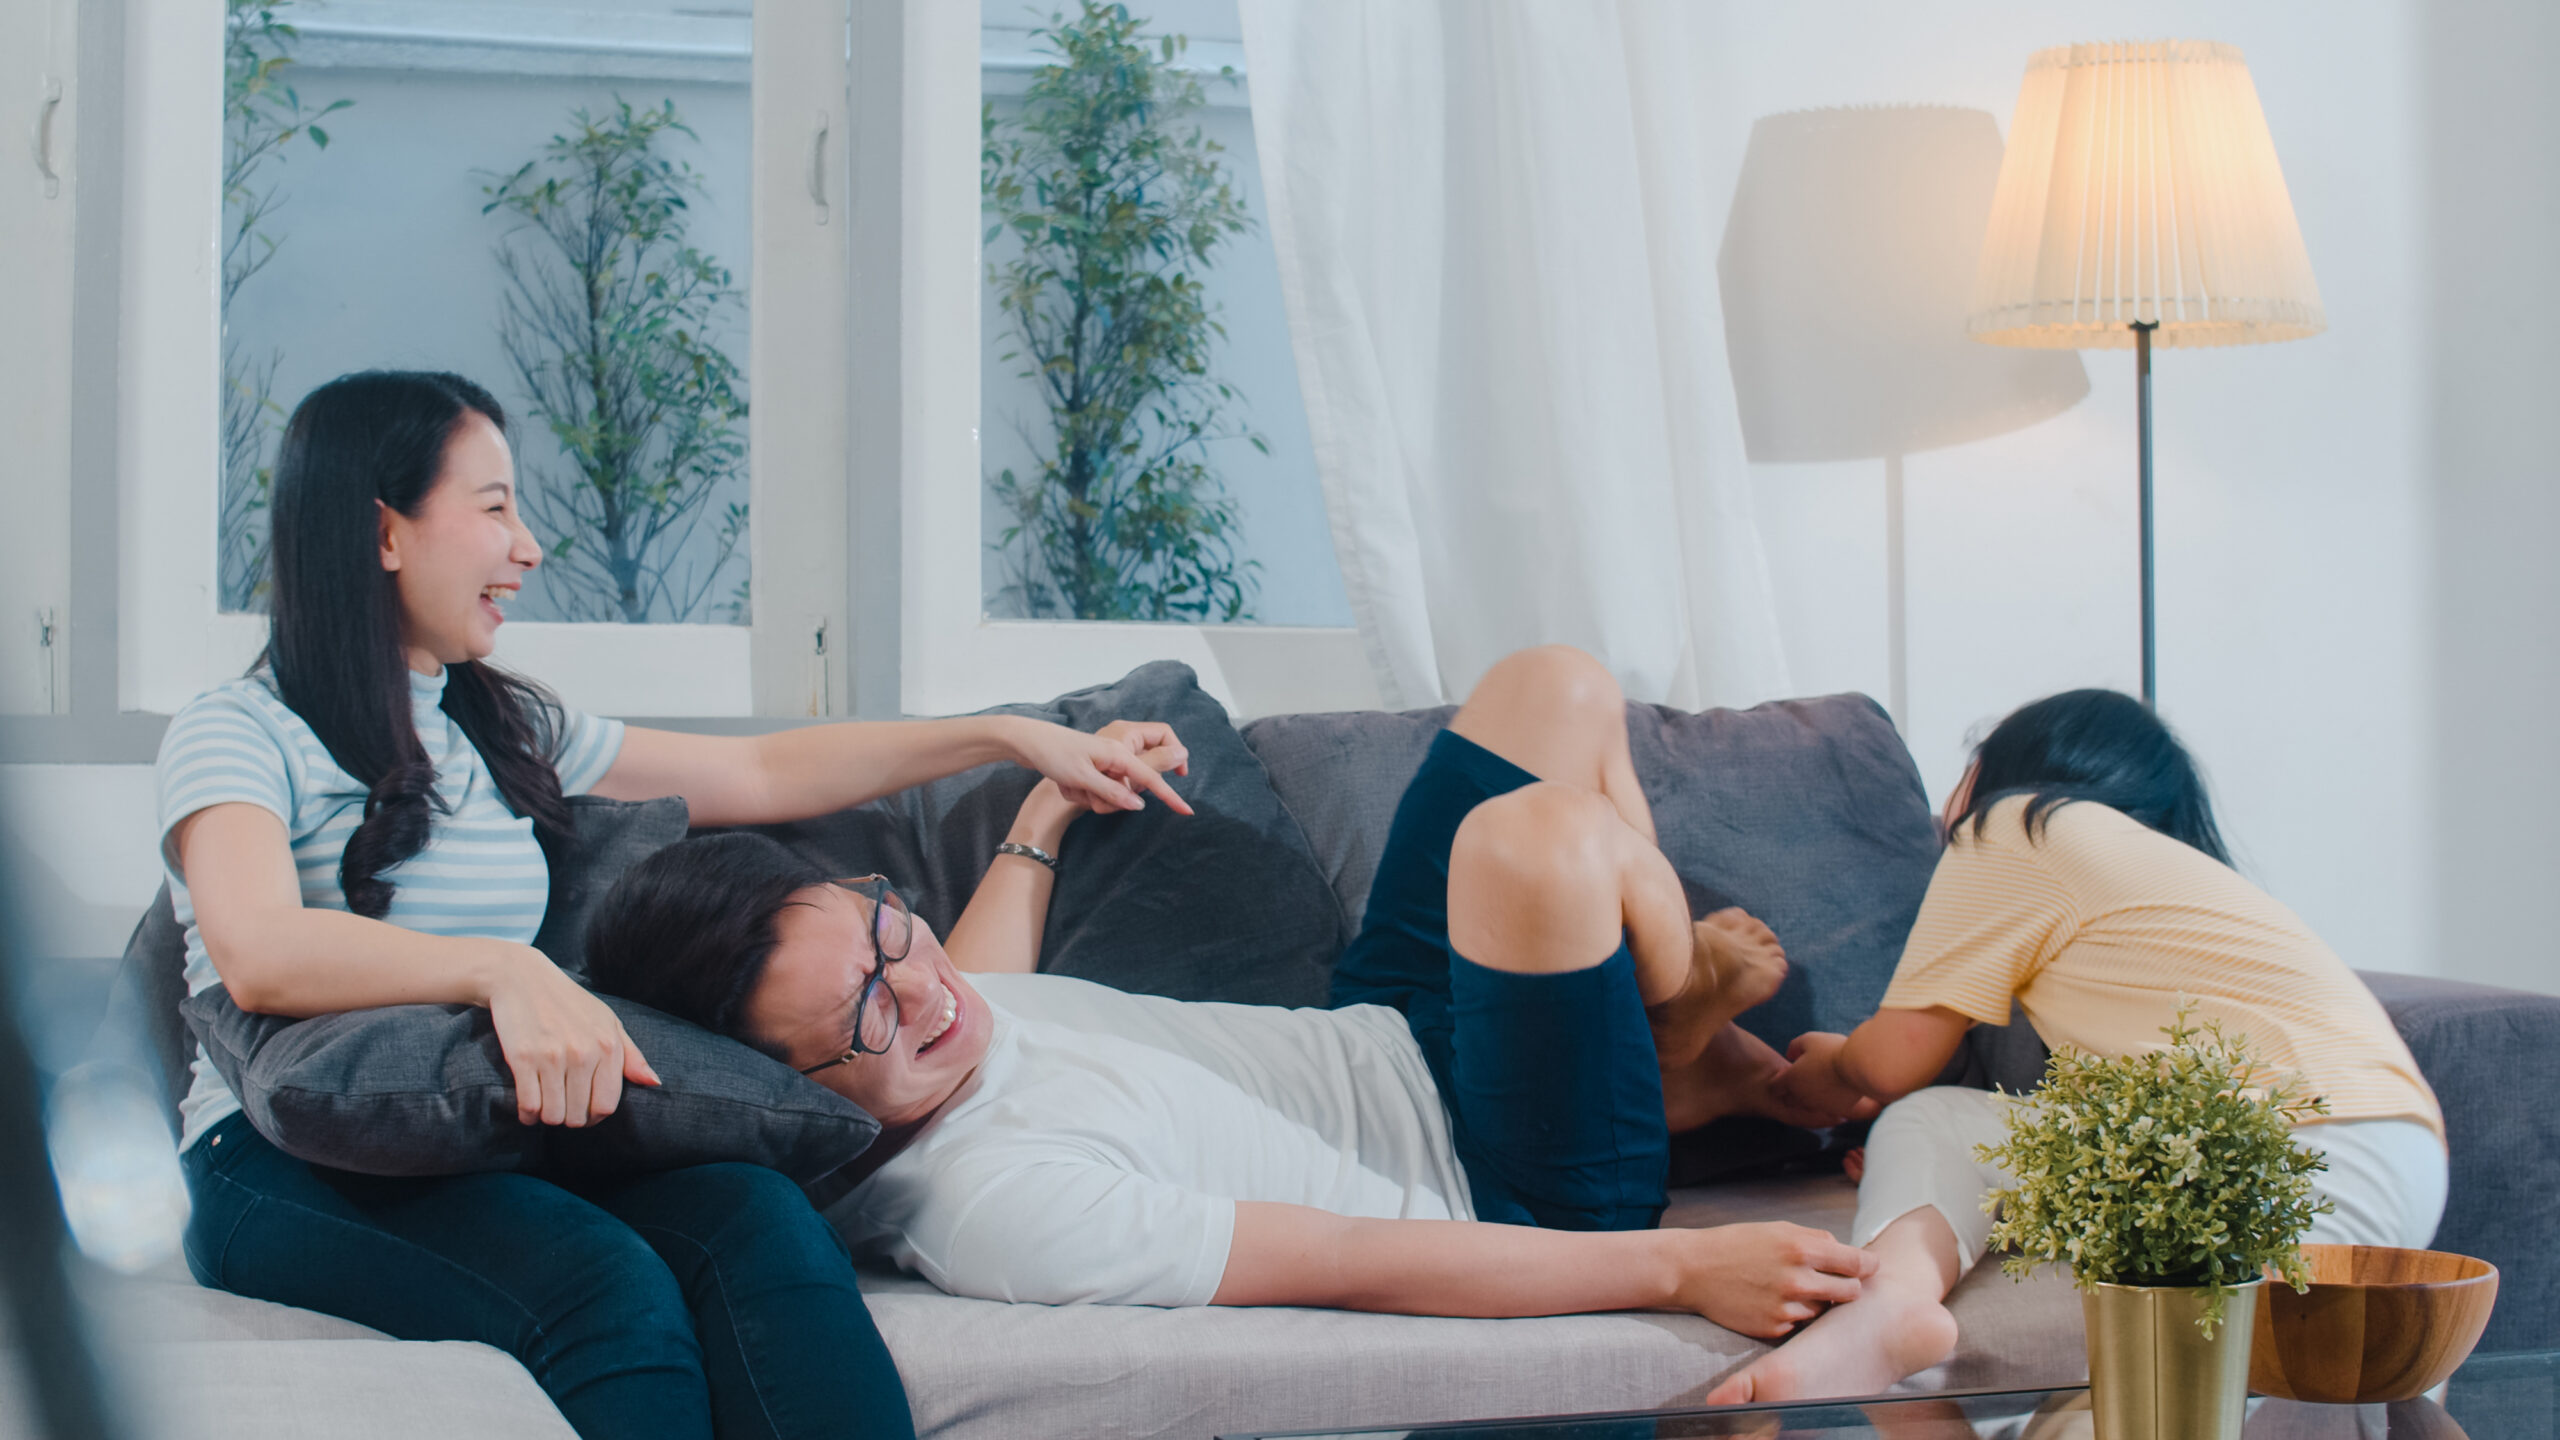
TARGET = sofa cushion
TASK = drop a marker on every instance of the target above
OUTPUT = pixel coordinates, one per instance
(425, 1090)
(1115, 1370)
(341, 1389)
(1808, 813)
(1224, 904)
(2478, 1046)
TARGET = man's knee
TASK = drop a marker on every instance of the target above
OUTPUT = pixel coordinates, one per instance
(1560, 676)
(1534, 880)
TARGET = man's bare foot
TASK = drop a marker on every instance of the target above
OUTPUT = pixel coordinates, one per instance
(1860, 1348)
(1735, 962)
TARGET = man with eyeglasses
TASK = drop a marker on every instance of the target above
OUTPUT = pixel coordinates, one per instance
(1478, 1125)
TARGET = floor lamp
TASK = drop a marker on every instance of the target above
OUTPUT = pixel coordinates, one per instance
(2140, 204)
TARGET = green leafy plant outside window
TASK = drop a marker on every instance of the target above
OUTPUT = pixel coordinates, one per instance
(262, 115)
(2177, 1167)
(611, 322)
(1116, 204)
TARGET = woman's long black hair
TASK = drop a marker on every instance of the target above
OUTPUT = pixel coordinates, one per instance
(2093, 745)
(334, 644)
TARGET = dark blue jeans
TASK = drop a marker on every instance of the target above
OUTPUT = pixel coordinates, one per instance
(698, 1302)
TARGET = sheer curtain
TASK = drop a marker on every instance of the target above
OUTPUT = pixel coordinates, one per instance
(1499, 271)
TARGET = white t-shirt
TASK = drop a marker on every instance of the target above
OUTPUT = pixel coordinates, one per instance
(1099, 1152)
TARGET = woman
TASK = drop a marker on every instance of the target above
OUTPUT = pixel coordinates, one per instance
(358, 822)
(2084, 878)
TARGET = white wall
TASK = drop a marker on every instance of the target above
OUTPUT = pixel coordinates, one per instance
(2293, 494)
(2494, 200)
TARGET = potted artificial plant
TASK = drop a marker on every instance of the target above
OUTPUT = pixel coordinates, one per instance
(2171, 1184)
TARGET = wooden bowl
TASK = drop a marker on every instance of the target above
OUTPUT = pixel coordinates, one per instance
(2377, 1324)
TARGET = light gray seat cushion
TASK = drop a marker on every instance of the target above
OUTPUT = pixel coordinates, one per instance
(338, 1390)
(983, 1370)
(1136, 1371)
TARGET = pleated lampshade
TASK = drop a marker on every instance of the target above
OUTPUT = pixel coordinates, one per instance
(2140, 184)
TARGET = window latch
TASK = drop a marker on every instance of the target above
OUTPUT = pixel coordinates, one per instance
(45, 109)
(818, 167)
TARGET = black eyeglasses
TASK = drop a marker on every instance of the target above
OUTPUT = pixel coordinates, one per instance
(876, 1013)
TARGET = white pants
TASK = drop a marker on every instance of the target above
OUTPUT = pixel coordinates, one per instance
(2386, 1177)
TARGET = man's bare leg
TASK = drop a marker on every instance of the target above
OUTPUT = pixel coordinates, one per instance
(1557, 713)
(1898, 1326)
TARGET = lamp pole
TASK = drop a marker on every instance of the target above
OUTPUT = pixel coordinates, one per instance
(2142, 405)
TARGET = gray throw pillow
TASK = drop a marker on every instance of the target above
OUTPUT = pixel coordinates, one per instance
(606, 837)
(1224, 904)
(425, 1090)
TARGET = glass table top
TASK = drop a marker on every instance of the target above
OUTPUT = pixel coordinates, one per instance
(2493, 1397)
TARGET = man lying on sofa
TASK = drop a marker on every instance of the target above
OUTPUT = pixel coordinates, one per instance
(1527, 1014)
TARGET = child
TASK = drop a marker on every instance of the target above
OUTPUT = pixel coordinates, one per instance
(2084, 878)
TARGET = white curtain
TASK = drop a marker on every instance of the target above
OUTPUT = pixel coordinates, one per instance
(1500, 275)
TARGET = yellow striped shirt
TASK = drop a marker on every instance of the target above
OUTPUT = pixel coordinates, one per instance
(2101, 926)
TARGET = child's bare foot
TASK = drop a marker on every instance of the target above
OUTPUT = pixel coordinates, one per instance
(1735, 962)
(1893, 1330)
(1854, 1165)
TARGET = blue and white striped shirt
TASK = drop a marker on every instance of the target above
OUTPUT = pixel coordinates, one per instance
(480, 873)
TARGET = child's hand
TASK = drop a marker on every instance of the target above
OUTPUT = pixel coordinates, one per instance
(1812, 1079)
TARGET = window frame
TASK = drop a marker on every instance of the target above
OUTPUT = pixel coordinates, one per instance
(953, 657)
(174, 642)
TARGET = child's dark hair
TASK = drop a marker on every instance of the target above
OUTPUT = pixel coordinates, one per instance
(690, 929)
(2094, 745)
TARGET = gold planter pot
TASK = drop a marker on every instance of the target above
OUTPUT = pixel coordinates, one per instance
(2153, 1377)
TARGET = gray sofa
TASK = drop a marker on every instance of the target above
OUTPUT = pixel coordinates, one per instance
(1810, 812)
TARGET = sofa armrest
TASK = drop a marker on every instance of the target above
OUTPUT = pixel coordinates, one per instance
(2492, 1056)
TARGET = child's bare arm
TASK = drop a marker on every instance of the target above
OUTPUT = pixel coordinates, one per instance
(1894, 1053)
(1755, 1279)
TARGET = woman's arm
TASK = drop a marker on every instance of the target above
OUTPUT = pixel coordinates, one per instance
(1755, 1279)
(820, 769)
(566, 1048)
(1894, 1053)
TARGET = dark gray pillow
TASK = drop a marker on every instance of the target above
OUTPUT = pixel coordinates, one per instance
(1224, 904)
(606, 837)
(425, 1090)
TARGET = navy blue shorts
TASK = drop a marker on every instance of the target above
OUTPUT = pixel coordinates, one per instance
(1554, 1095)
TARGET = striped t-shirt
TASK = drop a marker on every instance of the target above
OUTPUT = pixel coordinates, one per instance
(2101, 926)
(481, 872)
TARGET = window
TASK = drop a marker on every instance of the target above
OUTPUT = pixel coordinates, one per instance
(384, 203)
(966, 415)
(1087, 391)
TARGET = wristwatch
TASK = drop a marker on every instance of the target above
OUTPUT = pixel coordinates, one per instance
(1029, 852)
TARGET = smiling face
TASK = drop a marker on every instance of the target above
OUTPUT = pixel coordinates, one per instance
(462, 554)
(803, 1005)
